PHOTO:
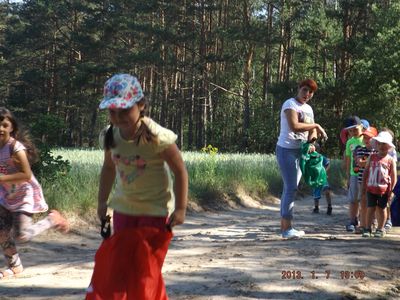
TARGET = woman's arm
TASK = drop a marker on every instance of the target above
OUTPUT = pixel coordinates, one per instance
(24, 173)
(296, 126)
(107, 177)
(173, 158)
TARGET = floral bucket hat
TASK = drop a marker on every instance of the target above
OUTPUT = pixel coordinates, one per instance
(121, 91)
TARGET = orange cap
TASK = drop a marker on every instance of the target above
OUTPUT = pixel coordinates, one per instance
(370, 131)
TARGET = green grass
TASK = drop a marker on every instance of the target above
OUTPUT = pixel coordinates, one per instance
(210, 176)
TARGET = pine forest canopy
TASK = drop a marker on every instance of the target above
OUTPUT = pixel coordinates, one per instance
(215, 72)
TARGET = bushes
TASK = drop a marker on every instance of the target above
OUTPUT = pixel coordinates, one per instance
(49, 167)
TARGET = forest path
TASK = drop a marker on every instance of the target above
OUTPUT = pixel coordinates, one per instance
(231, 254)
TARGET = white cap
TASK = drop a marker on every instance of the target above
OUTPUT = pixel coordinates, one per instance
(383, 137)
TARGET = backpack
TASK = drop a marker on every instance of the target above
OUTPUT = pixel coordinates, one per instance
(311, 165)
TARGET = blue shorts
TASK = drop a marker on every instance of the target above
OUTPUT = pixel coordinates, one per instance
(354, 191)
(319, 190)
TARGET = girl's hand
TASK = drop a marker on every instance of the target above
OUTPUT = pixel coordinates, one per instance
(177, 217)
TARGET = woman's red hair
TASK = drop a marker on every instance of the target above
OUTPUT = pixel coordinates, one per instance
(310, 83)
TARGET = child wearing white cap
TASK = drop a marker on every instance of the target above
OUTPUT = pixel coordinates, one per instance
(379, 178)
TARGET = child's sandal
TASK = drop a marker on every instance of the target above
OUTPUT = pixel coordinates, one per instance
(11, 272)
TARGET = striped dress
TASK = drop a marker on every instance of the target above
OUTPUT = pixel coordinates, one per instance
(25, 196)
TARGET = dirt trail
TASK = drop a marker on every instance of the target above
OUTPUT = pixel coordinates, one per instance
(232, 254)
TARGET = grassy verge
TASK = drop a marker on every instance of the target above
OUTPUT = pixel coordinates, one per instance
(210, 177)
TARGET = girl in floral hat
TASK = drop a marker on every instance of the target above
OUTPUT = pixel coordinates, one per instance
(138, 156)
(21, 195)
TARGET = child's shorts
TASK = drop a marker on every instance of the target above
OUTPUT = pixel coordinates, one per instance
(354, 192)
(377, 200)
(317, 192)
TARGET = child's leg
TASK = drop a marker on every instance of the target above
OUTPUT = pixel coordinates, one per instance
(363, 211)
(328, 196)
(316, 205)
(388, 223)
(26, 229)
(370, 216)
(371, 207)
(353, 197)
(317, 195)
(8, 246)
(381, 211)
(381, 215)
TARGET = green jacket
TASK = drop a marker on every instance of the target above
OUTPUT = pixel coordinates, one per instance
(311, 166)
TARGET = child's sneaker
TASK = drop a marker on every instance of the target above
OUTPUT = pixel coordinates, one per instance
(379, 233)
(58, 221)
(316, 210)
(292, 233)
(366, 232)
(329, 211)
(388, 225)
(350, 227)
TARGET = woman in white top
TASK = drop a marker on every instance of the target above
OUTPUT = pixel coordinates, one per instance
(296, 126)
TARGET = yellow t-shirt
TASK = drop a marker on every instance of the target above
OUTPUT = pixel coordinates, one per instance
(143, 181)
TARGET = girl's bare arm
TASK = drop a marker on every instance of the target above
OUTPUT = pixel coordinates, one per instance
(24, 173)
(174, 159)
(107, 177)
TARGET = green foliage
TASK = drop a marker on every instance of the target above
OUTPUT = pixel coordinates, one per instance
(50, 168)
(49, 126)
(210, 150)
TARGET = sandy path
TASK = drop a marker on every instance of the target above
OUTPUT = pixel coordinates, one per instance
(235, 254)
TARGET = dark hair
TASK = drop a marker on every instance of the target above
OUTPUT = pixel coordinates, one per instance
(142, 136)
(20, 135)
(310, 83)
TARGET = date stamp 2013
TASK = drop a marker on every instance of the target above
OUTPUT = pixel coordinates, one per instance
(324, 274)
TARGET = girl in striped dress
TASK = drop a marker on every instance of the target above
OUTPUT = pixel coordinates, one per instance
(21, 195)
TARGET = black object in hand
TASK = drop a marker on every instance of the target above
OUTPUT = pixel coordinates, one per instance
(105, 231)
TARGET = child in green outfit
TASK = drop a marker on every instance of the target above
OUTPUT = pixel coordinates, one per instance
(354, 126)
